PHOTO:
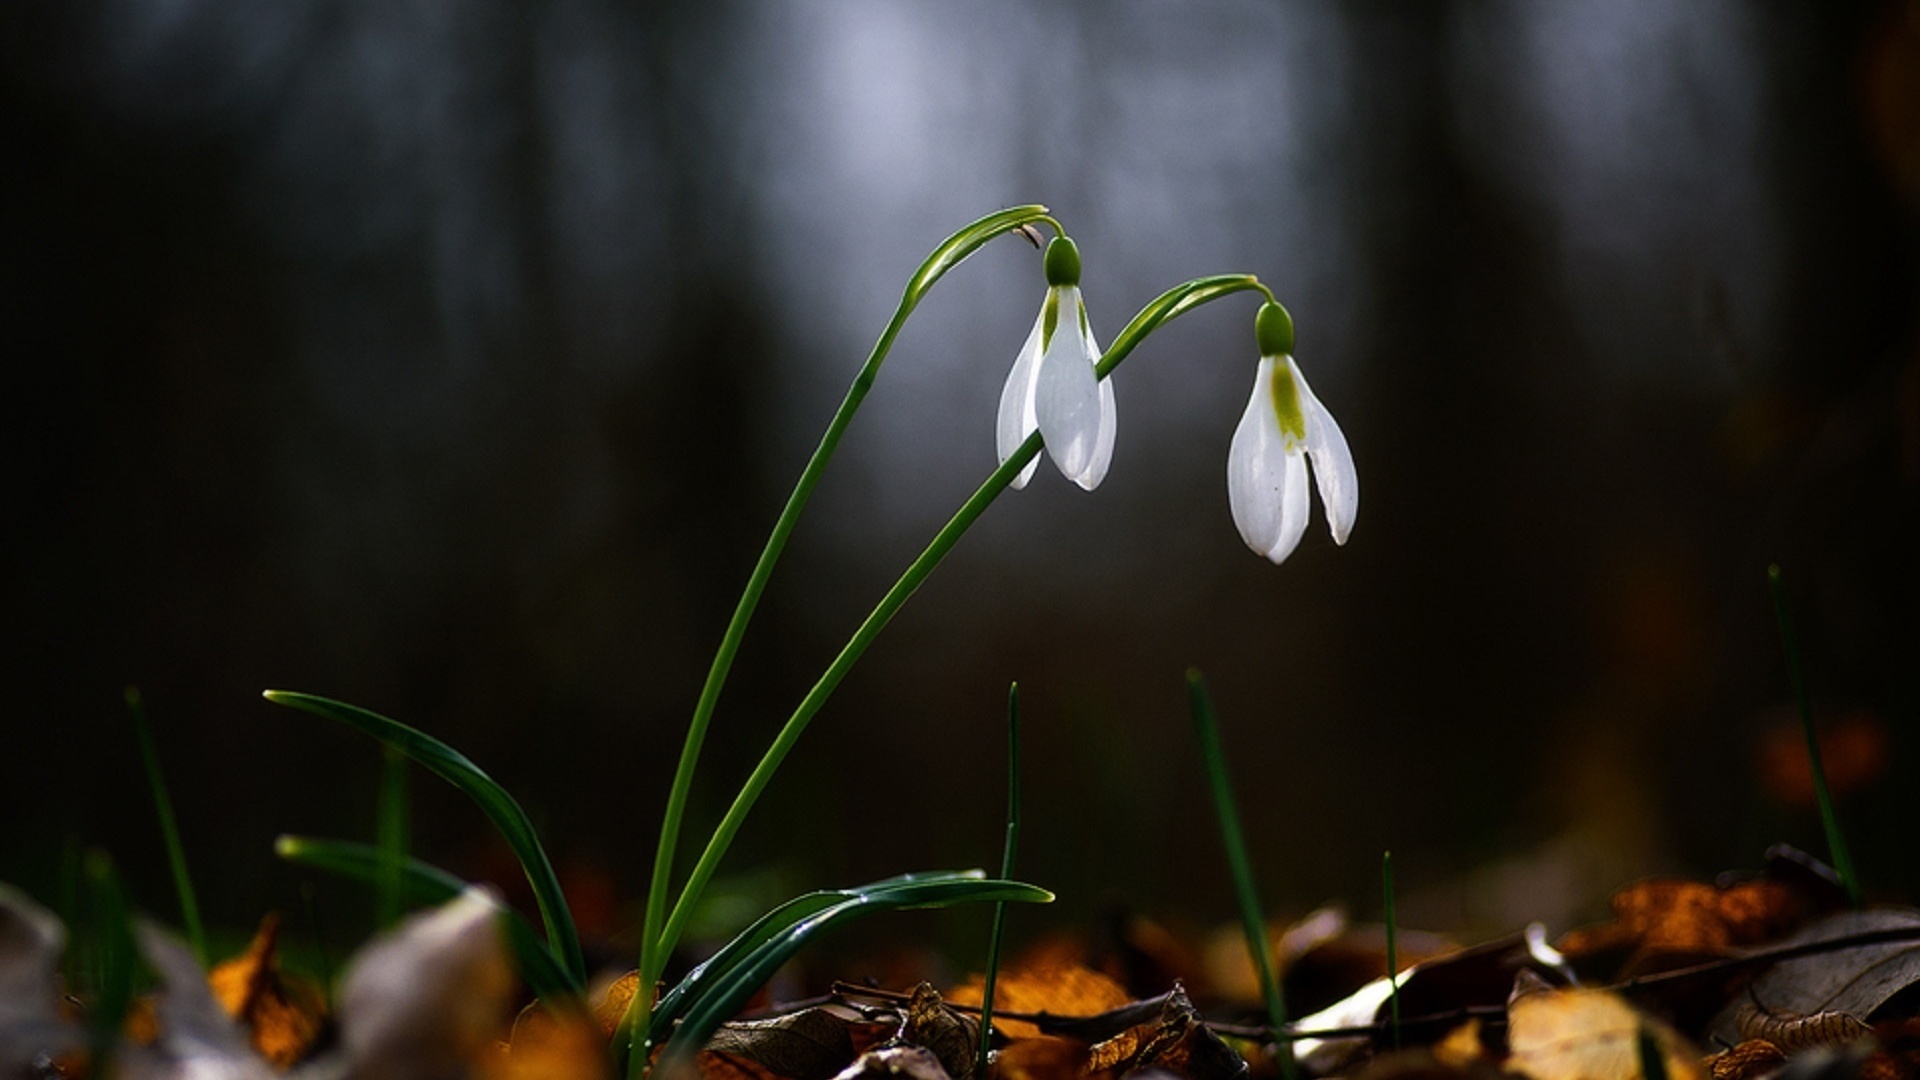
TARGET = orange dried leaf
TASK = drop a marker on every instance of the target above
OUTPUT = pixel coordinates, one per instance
(1750, 1059)
(1590, 1035)
(283, 1017)
(1043, 1057)
(1052, 986)
(1666, 923)
(1461, 1047)
(550, 1044)
(613, 1002)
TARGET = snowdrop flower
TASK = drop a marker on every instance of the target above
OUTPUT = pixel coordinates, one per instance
(1285, 425)
(1052, 386)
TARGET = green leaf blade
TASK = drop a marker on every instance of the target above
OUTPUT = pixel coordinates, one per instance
(425, 883)
(499, 807)
(731, 990)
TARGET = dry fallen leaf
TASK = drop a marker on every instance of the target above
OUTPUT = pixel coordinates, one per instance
(1590, 1035)
(895, 1063)
(1854, 981)
(31, 939)
(953, 1038)
(1047, 984)
(551, 1044)
(282, 1017)
(1752, 1058)
(429, 998)
(1664, 923)
(1178, 1042)
(612, 1006)
(1042, 1057)
(812, 1044)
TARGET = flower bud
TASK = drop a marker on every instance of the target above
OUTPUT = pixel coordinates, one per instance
(1273, 329)
(1063, 262)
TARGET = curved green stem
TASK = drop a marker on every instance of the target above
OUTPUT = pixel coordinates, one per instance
(1168, 305)
(944, 257)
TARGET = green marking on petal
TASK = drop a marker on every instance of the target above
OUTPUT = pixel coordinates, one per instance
(1049, 318)
(1086, 330)
(1286, 401)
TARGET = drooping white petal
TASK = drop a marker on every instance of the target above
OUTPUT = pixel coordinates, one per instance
(1293, 506)
(1266, 478)
(1067, 399)
(1333, 471)
(1017, 420)
(1103, 444)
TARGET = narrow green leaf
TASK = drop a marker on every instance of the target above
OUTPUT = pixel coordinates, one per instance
(499, 807)
(1830, 821)
(1251, 918)
(1006, 871)
(169, 828)
(391, 821)
(424, 883)
(730, 991)
(111, 928)
(770, 926)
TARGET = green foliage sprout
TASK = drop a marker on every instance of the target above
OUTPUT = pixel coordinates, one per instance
(1207, 731)
(1830, 821)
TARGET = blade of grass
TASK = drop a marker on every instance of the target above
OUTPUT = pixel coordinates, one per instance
(1653, 1063)
(1251, 918)
(1393, 954)
(169, 828)
(425, 883)
(1836, 843)
(317, 930)
(1006, 871)
(391, 834)
(111, 929)
(730, 992)
(498, 806)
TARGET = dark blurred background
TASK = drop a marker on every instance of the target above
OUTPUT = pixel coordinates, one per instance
(453, 360)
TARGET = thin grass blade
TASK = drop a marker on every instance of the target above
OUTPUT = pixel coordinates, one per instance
(1006, 871)
(1830, 821)
(422, 883)
(391, 833)
(499, 807)
(169, 827)
(1208, 731)
(111, 929)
